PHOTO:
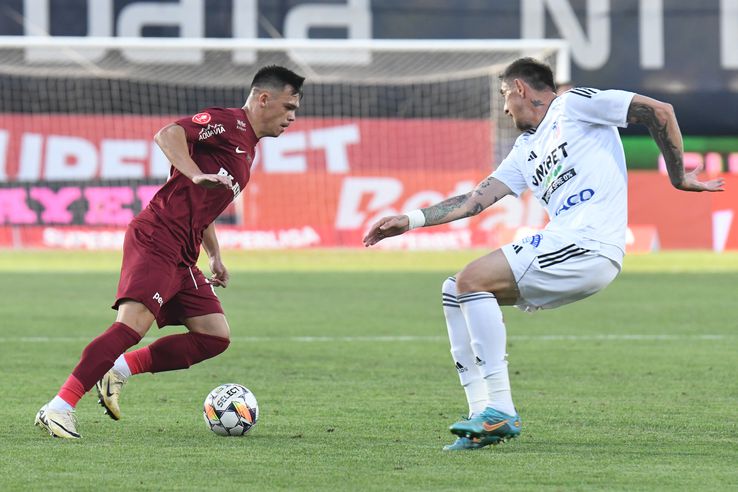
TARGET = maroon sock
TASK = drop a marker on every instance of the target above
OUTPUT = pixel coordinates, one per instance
(138, 360)
(71, 391)
(97, 359)
(183, 350)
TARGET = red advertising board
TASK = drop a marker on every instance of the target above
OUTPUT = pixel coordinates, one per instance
(74, 181)
(684, 220)
(54, 148)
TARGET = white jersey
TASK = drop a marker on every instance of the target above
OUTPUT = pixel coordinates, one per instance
(575, 165)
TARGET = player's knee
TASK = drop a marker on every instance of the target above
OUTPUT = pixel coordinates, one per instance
(210, 345)
(218, 345)
(210, 324)
(468, 281)
(474, 279)
(449, 286)
(135, 315)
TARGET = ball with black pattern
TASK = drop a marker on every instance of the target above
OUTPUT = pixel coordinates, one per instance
(231, 410)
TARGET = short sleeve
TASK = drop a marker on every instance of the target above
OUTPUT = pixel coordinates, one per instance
(608, 107)
(510, 172)
(206, 127)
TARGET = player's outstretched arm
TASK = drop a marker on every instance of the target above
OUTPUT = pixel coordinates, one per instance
(458, 207)
(173, 142)
(212, 248)
(661, 122)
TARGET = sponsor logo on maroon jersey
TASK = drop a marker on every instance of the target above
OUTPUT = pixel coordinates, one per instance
(236, 188)
(241, 125)
(201, 118)
(211, 130)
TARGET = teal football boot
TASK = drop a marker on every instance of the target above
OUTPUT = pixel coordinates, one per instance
(491, 427)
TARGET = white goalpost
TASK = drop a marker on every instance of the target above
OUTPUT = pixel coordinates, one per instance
(78, 115)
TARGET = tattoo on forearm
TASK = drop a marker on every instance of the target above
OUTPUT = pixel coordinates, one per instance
(442, 212)
(645, 115)
(435, 214)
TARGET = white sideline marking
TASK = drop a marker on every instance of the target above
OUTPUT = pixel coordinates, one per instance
(406, 338)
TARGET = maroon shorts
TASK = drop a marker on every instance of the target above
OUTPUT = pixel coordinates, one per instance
(171, 292)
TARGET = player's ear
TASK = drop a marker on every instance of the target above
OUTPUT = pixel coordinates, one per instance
(520, 87)
(263, 99)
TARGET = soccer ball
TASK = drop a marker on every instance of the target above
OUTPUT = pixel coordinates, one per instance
(230, 410)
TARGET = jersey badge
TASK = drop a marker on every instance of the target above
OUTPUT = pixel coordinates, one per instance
(201, 118)
(533, 240)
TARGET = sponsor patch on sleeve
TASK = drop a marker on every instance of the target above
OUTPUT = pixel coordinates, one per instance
(201, 118)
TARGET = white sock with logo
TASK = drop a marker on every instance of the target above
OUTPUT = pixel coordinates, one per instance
(488, 341)
(122, 366)
(471, 379)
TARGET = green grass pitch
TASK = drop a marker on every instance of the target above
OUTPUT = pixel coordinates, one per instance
(635, 388)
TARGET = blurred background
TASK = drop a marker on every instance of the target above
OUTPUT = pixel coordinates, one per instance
(389, 122)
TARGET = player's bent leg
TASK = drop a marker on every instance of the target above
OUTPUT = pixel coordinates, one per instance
(97, 358)
(464, 361)
(482, 286)
(461, 350)
(211, 335)
(207, 337)
(136, 316)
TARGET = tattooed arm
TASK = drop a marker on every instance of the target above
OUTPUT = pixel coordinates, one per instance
(661, 122)
(484, 195)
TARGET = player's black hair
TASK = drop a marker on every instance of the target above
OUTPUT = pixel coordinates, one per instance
(535, 73)
(276, 77)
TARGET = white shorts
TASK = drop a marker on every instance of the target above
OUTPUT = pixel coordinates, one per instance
(552, 270)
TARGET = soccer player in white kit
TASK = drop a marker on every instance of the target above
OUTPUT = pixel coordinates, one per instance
(571, 157)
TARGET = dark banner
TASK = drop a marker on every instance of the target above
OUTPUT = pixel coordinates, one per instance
(639, 45)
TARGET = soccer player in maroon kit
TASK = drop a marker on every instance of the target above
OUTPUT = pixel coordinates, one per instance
(211, 155)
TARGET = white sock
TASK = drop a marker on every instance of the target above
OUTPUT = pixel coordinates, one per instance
(497, 386)
(122, 366)
(476, 396)
(60, 405)
(461, 350)
(488, 341)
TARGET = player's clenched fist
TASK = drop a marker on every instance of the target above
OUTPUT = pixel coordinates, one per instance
(387, 227)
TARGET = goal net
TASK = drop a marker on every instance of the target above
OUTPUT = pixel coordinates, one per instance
(384, 126)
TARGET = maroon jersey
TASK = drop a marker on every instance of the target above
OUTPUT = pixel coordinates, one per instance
(221, 141)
